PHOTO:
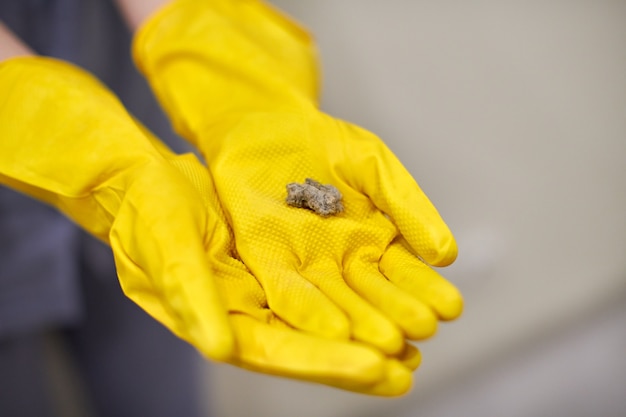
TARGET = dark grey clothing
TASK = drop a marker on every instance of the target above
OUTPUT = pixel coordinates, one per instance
(54, 277)
(125, 364)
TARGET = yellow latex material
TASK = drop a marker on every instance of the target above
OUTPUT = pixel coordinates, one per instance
(69, 142)
(240, 81)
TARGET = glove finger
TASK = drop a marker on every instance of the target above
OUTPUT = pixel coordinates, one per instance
(158, 245)
(343, 364)
(394, 191)
(398, 381)
(406, 271)
(299, 303)
(410, 357)
(412, 316)
(368, 324)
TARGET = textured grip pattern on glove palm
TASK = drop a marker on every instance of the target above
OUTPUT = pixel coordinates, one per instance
(335, 254)
(264, 343)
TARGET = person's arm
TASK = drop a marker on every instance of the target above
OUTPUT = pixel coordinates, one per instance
(135, 12)
(10, 45)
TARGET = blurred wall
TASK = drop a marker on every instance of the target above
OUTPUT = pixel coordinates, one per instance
(512, 117)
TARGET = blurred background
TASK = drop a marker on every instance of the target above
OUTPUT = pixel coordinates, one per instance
(512, 117)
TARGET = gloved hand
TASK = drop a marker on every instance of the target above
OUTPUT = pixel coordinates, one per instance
(69, 142)
(265, 343)
(240, 81)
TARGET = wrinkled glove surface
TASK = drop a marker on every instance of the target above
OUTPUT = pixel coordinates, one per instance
(240, 81)
(68, 141)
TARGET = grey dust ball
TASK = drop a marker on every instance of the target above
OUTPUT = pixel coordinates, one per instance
(324, 200)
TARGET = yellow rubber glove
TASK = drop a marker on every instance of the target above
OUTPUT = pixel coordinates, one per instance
(240, 81)
(69, 142)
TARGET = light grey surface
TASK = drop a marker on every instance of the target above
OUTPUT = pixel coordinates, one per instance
(512, 116)
(578, 372)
